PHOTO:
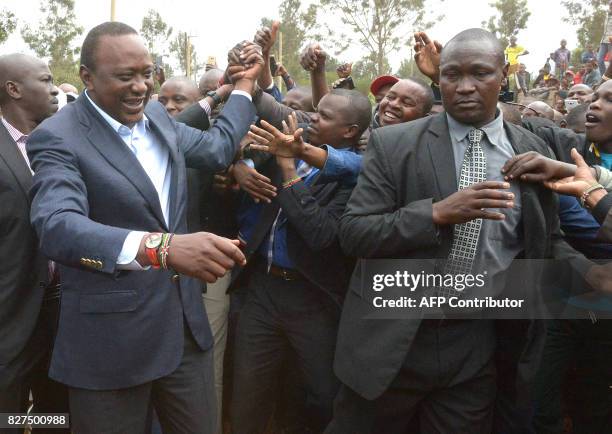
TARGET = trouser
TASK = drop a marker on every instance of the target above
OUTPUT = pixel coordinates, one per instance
(29, 373)
(217, 304)
(590, 345)
(282, 319)
(446, 385)
(603, 50)
(183, 400)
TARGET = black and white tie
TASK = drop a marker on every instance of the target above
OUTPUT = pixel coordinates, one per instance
(465, 241)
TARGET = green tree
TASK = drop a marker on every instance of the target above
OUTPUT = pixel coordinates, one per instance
(8, 23)
(590, 17)
(511, 17)
(53, 39)
(382, 27)
(155, 32)
(184, 51)
(297, 26)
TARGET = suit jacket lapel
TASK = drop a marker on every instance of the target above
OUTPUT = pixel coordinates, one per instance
(440, 150)
(113, 149)
(178, 181)
(533, 218)
(10, 153)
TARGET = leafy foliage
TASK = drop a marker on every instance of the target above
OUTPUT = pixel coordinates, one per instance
(510, 18)
(8, 23)
(590, 17)
(53, 38)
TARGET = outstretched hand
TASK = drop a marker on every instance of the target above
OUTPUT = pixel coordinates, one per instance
(574, 185)
(286, 144)
(427, 56)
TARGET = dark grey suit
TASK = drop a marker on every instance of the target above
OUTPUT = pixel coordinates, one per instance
(27, 317)
(406, 168)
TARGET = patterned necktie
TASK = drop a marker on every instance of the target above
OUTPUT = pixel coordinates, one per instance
(465, 241)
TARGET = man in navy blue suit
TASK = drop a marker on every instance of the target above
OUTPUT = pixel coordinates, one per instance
(109, 206)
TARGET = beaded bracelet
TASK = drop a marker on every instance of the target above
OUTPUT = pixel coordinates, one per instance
(291, 182)
(164, 249)
(586, 193)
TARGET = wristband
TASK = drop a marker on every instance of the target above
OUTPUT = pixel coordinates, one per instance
(163, 250)
(215, 97)
(586, 193)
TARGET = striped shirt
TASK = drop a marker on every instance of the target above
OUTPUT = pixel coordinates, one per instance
(19, 138)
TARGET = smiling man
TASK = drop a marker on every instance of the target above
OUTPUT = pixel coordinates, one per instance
(109, 206)
(433, 188)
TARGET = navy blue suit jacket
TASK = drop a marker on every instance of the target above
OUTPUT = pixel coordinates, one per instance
(119, 328)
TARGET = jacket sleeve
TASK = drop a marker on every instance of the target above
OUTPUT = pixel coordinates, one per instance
(374, 225)
(215, 149)
(194, 116)
(275, 113)
(317, 225)
(60, 208)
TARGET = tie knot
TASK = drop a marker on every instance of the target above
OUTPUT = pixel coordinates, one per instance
(474, 136)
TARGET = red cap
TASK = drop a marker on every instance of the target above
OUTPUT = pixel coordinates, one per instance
(382, 81)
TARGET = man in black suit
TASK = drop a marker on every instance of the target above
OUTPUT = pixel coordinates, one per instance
(109, 205)
(297, 274)
(29, 300)
(412, 201)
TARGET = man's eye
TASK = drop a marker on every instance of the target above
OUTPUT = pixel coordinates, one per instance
(125, 77)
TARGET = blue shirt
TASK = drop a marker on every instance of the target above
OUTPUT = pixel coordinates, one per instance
(249, 211)
(606, 160)
(275, 92)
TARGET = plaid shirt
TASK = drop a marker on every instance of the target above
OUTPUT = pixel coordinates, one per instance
(19, 138)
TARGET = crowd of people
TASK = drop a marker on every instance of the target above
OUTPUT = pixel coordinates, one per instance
(191, 260)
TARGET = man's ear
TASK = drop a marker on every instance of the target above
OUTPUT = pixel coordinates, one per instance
(86, 77)
(351, 132)
(12, 89)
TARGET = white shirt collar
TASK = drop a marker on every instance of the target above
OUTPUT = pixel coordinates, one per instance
(121, 129)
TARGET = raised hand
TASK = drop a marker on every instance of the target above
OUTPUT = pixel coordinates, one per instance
(344, 70)
(245, 61)
(427, 56)
(473, 203)
(266, 37)
(313, 58)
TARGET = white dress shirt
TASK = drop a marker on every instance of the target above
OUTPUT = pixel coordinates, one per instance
(154, 158)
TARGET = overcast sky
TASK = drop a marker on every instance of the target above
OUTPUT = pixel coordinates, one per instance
(214, 35)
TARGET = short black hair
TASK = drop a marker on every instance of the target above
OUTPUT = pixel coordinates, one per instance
(427, 90)
(110, 28)
(358, 108)
(481, 36)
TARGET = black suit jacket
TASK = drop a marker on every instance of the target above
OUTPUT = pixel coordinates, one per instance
(23, 271)
(313, 214)
(406, 168)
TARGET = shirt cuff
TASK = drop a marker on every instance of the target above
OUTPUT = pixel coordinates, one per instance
(243, 93)
(271, 86)
(127, 256)
(205, 106)
(248, 162)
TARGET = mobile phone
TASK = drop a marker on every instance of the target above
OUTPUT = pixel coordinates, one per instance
(571, 103)
(273, 65)
(159, 62)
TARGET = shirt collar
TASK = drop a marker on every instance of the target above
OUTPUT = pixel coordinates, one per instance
(15, 134)
(494, 130)
(121, 129)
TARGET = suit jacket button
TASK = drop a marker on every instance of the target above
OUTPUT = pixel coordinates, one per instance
(176, 278)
